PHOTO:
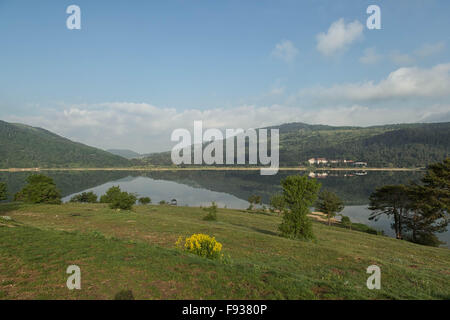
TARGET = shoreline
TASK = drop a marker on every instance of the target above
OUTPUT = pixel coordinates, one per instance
(205, 169)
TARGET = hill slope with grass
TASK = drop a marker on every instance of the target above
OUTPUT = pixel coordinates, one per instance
(22, 146)
(135, 250)
(403, 145)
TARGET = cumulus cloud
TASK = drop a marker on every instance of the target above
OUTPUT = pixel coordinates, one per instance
(402, 83)
(405, 95)
(339, 36)
(285, 50)
(146, 128)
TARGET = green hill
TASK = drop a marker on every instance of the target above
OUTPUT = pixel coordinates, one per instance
(22, 146)
(135, 250)
(402, 145)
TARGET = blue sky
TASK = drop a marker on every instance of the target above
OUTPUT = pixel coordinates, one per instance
(142, 68)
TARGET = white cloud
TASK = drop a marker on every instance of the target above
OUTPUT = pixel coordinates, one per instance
(430, 49)
(402, 83)
(339, 36)
(401, 58)
(146, 128)
(285, 50)
(370, 56)
(405, 95)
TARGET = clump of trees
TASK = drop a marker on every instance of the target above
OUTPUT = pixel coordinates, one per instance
(85, 197)
(39, 189)
(254, 200)
(145, 200)
(118, 199)
(3, 191)
(277, 203)
(330, 204)
(299, 194)
(346, 222)
(418, 210)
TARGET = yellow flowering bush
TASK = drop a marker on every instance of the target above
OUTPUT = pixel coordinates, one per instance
(202, 245)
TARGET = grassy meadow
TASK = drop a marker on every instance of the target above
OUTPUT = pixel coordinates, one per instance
(135, 250)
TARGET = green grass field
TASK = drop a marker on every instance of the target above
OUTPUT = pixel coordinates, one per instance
(135, 250)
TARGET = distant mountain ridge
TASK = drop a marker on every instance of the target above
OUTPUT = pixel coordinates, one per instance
(125, 153)
(23, 146)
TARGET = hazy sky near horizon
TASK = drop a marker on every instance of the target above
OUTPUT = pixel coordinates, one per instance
(139, 69)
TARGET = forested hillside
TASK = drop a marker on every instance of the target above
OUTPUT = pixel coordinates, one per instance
(23, 146)
(403, 145)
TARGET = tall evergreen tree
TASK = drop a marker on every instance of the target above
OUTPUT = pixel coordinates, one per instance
(330, 204)
(391, 200)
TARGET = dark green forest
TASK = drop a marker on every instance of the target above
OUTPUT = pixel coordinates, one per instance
(23, 146)
(404, 145)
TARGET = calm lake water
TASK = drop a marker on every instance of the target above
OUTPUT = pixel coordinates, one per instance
(227, 188)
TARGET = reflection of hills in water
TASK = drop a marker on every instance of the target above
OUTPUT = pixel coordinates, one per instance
(353, 187)
(66, 182)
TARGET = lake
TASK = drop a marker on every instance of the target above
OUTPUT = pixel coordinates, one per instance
(229, 189)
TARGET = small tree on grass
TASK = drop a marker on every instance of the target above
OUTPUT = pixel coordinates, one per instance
(277, 203)
(254, 199)
(3, 191)
(145, 200)
(85, 197)
(118, 199)
(212, 212)
(346, 222)
(330, 204)
(39, 189)
(123, 200)
(299, 193)
(110, 194)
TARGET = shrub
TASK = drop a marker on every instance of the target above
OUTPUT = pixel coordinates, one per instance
(277, 203)
(201, 245)
(85, 197)
(346, 222)
(145, 200)
(110, 194)
(118, 199)
(212, 212)
(162, 202)
(123, 200)
(124, 295)
(39, 189)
